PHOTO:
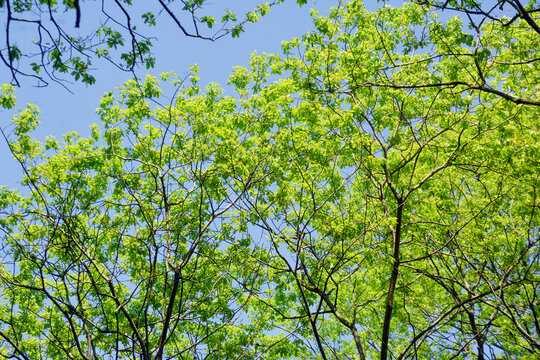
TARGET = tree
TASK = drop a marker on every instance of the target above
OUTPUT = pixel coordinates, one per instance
(55, 50)
(371, 193)
(478, 12)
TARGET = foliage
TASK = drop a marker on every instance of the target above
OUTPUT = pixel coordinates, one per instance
(118, 31)
(370, 193)
(502, 12)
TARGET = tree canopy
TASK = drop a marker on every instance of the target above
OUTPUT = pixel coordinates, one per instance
(371, 192)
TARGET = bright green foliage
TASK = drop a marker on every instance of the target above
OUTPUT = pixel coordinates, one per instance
(378, 200)
(7, 99)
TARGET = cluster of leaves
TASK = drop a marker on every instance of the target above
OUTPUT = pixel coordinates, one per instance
(54, 50)
(380, 200)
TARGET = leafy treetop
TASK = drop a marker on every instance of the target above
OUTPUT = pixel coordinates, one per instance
(370, 193)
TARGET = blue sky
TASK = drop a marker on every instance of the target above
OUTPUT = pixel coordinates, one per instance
(63, 111)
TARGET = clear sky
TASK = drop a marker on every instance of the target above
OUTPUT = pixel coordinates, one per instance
(63, 111)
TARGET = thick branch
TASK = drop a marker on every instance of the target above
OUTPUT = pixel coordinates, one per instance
(450, 84)
(393, 280)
